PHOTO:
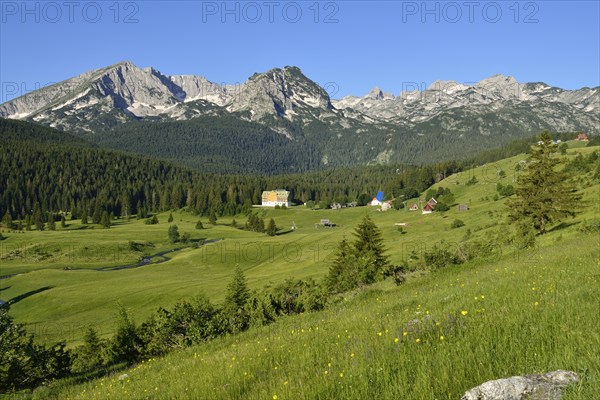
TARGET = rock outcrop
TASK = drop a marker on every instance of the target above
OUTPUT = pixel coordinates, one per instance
(546, 386)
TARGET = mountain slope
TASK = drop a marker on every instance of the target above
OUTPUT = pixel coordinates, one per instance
(283, 113)
(25, 131)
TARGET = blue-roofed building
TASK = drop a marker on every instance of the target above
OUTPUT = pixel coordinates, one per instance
(377, 200)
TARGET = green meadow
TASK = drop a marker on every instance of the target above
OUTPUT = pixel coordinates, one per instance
(434, 337)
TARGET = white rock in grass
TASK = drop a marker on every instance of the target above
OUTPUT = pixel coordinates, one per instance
(546, 386)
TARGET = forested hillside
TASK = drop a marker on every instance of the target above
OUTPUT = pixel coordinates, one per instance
(88, 181)
(215, 144)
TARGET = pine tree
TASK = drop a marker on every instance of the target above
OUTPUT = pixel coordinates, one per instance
(272, 228)
(37, 218)
(173, 234)
(199, 225)
(235, 302)
(125, 342)
(89, 355)
(125, 205)
(260, 227)
(51, 222)
(544, 195)
(170, 218)
(97, 216)
(28, 222)
(340, 277)
(7, 220)
(63, 221)
(84, 216)
(105, 219)
(212, 218)
(369, 246)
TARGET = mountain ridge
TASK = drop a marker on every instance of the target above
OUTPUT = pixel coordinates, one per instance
(119, 107)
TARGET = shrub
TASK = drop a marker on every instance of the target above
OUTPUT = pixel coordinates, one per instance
(199, 225)
(457, 223)
(398, 272)
(126, 344)
(472, 181)
(590, 226)
(152, 220)
(135, 246)
(440, 256)
(441, 207)
(185, 238)
(89, 356)
(173, 234)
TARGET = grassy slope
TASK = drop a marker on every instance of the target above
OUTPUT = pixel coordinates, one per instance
(536, 313)
(59, 312)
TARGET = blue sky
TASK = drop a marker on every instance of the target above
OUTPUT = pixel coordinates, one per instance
(354, 44)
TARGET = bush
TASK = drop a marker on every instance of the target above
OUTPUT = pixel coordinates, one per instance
(472, 181)
(457, 223)
(89, 356)
(126, 344)
(190, 322)
(135, 246)
(25, 364)
(398, 272)
(297, 296)
(590, 226)
(441, 207)
(185, 238)
(440, 256)
(152, 220)
(173, 234)
(199, 225)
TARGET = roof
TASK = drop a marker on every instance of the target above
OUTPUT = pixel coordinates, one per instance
(379, 196)
(275, 191)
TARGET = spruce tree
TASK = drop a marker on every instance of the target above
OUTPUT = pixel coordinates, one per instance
(199, 225)
(544, 195)
(272, 228)
(89, 355)
(63, 221)
(125, 343)
(369, 246)
(7, 220)
(170, 218)
(173, 233)
(51, 223)
(37, 218)
(260, 227)
(212, 218)
(97, 216)
(235, 302)
(125, 205)
(105, 219)
(340, 276)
